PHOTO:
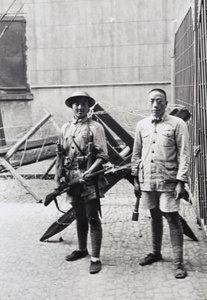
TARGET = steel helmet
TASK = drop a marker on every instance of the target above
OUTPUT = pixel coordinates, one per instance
(78, 94)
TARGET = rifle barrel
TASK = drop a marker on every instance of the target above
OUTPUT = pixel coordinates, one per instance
(66, 186)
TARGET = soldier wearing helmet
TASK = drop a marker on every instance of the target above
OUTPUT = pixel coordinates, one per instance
(84, 150)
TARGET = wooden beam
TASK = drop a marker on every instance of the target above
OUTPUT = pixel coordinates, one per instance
(32, 131)
(33, 155)
(183, 113)
(114, 178)
(109, 136)
(114, 156)
(4, 149)
(38, 143)
(114, 126)
(2, 135)
(49, 169)
(23, 182)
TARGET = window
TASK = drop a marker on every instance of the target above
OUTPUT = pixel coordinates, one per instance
(13, 71)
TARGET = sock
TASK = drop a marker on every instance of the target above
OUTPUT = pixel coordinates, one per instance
(94, 259)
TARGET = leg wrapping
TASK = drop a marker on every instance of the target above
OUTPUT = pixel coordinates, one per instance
(157, 230)
(176, 235)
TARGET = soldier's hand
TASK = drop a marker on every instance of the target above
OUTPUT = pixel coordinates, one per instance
(179, 190)
(137, 190)
(60, 181)
(86, 176)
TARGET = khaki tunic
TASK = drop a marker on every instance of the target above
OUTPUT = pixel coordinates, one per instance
(74, 140)
(162, 152)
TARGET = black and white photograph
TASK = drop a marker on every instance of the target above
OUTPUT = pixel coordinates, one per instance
(103, 143)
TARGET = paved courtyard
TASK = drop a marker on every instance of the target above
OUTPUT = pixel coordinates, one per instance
(34, 270)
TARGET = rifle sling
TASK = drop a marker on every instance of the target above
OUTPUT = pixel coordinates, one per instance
(90, 140)
(79, 149)
(97, 195)
(56, 203)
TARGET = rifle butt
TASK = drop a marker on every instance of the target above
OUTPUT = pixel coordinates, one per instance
(49, 198)
(135, 215)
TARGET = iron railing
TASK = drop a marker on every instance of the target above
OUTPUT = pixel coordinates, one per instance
(201, 109)
(191, 92)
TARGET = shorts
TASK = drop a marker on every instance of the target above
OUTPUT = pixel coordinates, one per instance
(164, 200)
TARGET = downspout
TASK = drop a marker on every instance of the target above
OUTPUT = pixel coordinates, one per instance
(172, 55)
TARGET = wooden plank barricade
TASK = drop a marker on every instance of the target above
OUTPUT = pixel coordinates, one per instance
(4, 161)
(120, 146)
(118, 156)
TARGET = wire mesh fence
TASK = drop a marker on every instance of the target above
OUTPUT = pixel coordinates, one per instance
(191, 91)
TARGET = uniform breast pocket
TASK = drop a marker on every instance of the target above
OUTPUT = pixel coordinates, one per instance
(167, 138)
(84, 134)
(145, 139)
(81, 138)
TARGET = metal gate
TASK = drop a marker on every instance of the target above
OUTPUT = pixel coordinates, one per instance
(191, 91)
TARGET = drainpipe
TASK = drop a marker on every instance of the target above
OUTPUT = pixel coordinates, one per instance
(172, 55)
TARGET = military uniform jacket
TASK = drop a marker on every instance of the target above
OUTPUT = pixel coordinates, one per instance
(74, 140)
(161, 153)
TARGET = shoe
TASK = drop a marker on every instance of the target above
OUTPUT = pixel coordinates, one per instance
(95, 267)
(150, 259)
(179, 271)
(77, 254)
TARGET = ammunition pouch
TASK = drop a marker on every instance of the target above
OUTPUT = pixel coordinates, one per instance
(67, 162)
(79, 161)
(82, 161)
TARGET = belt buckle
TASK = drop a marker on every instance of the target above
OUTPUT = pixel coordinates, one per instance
(67, 161)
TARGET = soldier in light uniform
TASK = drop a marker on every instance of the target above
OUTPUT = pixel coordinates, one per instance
(83, 151)
(160, 168)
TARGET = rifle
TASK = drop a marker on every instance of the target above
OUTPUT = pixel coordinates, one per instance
(135, 215)
(64, 187)
(59, 160)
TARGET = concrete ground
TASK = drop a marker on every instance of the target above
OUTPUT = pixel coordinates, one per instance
(34, 270)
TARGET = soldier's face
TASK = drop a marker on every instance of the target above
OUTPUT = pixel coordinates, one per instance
(80, 107)
(157, 103)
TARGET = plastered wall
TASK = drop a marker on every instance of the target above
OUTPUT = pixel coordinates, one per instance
(117, 50)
